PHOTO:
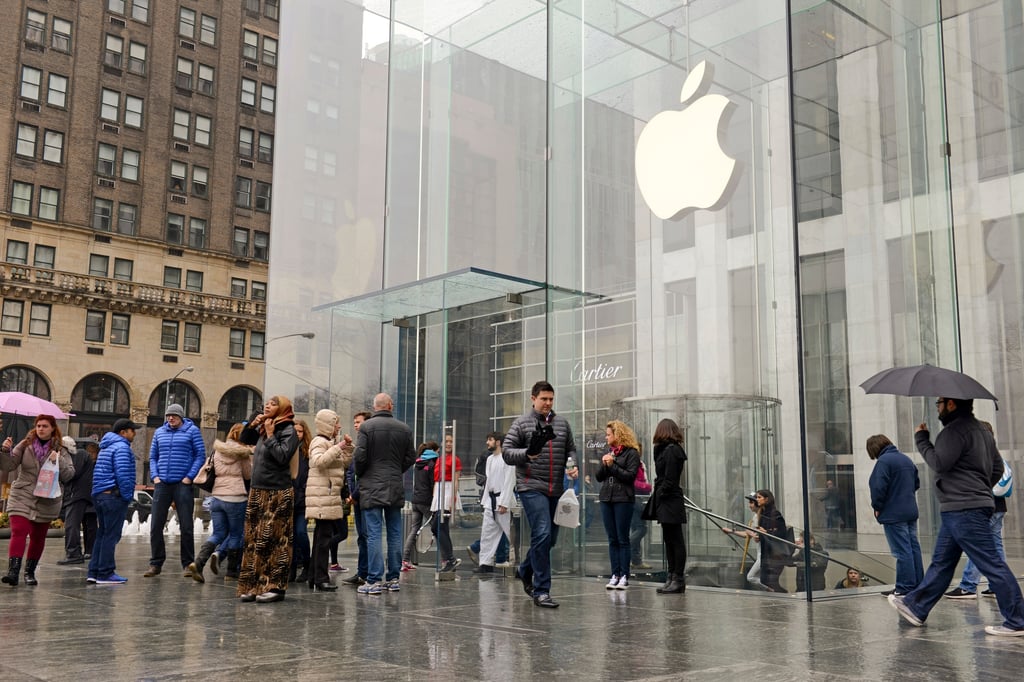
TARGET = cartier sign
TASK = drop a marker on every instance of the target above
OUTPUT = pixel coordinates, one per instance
(602, 372)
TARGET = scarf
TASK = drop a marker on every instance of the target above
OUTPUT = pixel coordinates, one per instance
(284, 414)
(41, 449)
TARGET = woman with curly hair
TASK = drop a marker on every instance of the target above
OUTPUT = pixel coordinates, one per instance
(617, 474)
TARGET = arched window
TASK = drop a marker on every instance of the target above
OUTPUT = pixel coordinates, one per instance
(97, 402)
(237, 405)
(180, 393)
(24, 379)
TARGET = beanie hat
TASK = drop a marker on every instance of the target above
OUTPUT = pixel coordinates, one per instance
(69, 443)
(174, 409)
(325, 422)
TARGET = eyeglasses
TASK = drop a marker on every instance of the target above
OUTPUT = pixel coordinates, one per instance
(940, 402)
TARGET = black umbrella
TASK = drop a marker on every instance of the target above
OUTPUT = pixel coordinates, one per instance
(926, 380)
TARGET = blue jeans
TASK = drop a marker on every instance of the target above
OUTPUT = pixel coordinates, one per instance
(228, 522)
(377, 520)
(301, 551)
(903, 545)
(110, 512)
(500, 556)
(361, 561)
(540, 514)
(637, 531)
(163, 495)
(968, 531)
(617, 517)
(969, 581)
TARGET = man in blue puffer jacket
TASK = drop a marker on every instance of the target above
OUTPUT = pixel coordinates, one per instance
(113, 487)
(175, 456)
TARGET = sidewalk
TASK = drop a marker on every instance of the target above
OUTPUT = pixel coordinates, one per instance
(170, 627)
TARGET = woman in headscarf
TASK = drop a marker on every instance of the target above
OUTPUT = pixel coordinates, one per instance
(29, 514)
(267, 557)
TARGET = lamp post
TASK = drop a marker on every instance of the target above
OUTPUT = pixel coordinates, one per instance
(167, 391)
(305, 335)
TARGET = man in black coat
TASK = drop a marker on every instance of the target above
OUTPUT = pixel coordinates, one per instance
(78, 512)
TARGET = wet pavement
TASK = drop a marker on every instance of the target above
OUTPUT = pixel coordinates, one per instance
(170, 627)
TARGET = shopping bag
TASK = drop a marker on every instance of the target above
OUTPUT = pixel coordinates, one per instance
(48, 482)
(567, 514)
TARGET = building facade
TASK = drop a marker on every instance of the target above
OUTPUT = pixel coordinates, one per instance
(728, 213)
(137, 146)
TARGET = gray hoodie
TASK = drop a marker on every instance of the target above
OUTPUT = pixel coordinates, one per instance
(965, 460)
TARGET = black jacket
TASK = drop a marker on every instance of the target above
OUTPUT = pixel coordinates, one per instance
(271, 460)
(669, 461)
(618, 478)
(546, 474)
(774, 524)
(965, 460)
(300, 484)
(423, 481)
(79, 488)
(384, 451)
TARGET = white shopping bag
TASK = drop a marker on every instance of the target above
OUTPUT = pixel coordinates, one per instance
(48, 483)
(567, 514)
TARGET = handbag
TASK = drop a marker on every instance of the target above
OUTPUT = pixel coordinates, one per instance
(207, 476)
(640, 484)
(650, 511)
(48, 481)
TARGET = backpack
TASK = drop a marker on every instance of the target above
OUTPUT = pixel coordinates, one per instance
(1004, 488)
(641, 485)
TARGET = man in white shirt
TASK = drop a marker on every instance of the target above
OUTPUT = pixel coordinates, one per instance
(497, 498)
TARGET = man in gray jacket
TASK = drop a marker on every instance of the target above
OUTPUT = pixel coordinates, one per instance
(537, 445)
(967, 465)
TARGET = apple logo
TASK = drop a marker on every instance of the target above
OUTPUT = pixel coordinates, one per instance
(680, 164)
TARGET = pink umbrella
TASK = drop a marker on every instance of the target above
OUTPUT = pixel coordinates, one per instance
(16, 402)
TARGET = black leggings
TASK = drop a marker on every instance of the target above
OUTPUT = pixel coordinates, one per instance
(675, 549)
(444, 538)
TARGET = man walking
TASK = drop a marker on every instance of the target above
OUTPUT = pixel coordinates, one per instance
(384, 451)
(175, 455)
(79, 513)
(497, 498)
(967, 465)
(537, 445)
(893, 484)
(113, 487)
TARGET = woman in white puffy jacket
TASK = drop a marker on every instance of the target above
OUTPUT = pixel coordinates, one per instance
(328, 460)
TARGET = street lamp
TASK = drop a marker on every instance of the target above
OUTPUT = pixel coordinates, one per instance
(305, 335)
(167, 392)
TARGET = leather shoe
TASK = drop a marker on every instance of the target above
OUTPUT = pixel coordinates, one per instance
(152, 572)
(247, 598)
(545, 601)
(324, 587)
(354, 580)
(527, 581)
(269, 597)
(71, 560)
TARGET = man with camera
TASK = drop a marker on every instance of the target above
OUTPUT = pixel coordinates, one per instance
(538, 445)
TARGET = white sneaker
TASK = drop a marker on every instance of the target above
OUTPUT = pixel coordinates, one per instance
(613, 584)
(1003, 631)
(623, 583)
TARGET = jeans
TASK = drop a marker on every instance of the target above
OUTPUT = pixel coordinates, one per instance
(967, 530)
(228, 522)
(637, 531)
(301, 549)
(163, 495)
(902, 539)
(501, 556)
(377, 520)
(110, 511)
(540, 514)
(361, 560)
(969, 581)
(617, 517)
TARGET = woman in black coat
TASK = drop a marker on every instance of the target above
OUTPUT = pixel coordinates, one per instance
(669, 461)
(774, 555)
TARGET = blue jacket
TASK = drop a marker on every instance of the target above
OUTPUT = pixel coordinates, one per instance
(894, 483)
(115, 466)
(176, 454)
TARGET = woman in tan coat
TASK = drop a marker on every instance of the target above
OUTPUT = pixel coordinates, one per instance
(328, 461)
(31, 515)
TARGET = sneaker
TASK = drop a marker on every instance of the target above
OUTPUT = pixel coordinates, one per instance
(960, 594)
(335, 568)
(355, 580)
(623, 583)
(904, 611)
(112, 579)
(392, 586)
(613, 583)
(90, 579)
(407, 566)
(1003, 631)
(483, 569)
(71, 560)
(988, 593)
(450, 566)
(474, 556)
(370, 588)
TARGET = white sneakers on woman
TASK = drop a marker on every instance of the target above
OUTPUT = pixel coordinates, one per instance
(617, 583)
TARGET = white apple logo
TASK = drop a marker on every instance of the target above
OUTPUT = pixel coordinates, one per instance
(680, 165)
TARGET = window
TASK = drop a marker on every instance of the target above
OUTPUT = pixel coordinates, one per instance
(137, 58)
(178, 172)
(263, 196)
(26, 141)
(197, 233)
(260, 243)
(123, 269)
(252, 6)
(169, 335)
(184, 76)
(140, 10)
(21, 198)
(133, 111)
(110, 105)
(208, 30)
(187, 23)
(330, 164)
(245, 138)
(248, 91)
(127, 216)
(32, 78)
(250, 44)
(53, 146)
(98, 265)
(266, 147)
(243, 192)
(193, 332)
(130, 160)
(181, 125)
(101, 212)
(256, 345)
(35, 27)
(240, 245)
(194, 280)
(175, 228)
(39, 320)
(172, 277)
(259, 291)
(116, 6)
(106, 158)
(45, 256)
(200, 181)
(205, 79)
(272, 9)
(203, 126)
(57, 91)
(95, 325)
(236, 343)
(11, 319)
(61, 39)
(17, 252)
(120, 326)
(238, 287)
(49, 203)
(113, 51)
(269, 51)
(268, 94)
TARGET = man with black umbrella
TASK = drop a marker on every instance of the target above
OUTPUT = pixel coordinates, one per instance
(967, 465)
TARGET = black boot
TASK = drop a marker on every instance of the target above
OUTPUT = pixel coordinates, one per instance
(234, 564)
(675, 586)
(196, 567)
(303, 574)
(30, 571)
(13, 571)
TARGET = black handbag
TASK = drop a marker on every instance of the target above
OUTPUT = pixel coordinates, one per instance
(650, 510)
(207, 476)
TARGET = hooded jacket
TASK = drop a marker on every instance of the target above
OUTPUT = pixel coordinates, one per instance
(544, 474)
(233, 463)
(894, 482)
(327, 464)
(423, 478)
(115, 466)
(176, 454)
(21, 501)
(965, 460)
